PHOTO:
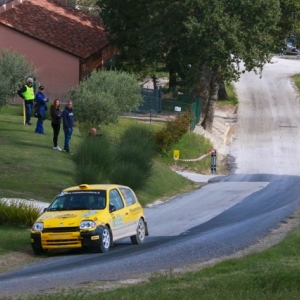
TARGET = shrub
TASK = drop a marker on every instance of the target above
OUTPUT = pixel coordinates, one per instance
(134, 157)
(18, 212)
(173, 131)
(93, 159)
(103, 96)
(14, 69)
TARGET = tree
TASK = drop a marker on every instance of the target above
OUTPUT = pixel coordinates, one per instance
(290, 19)
(211, 36)
(124, 21)
(88, 6)
(101, 97)
(14, 69)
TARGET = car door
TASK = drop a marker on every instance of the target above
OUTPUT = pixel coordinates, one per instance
(133, 211)
(119, 214)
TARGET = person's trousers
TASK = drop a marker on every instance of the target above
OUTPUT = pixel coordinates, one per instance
(68, 134)
(39, 126)
(56, 130)
(28, 108)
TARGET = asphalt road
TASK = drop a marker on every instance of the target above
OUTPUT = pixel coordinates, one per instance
(227, 215)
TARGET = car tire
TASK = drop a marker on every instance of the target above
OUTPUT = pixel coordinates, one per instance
(139, 237)
(105, 240)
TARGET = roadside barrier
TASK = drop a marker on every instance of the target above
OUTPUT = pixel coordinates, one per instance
(211, 151)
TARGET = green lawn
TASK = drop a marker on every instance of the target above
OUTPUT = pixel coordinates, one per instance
(31, 169)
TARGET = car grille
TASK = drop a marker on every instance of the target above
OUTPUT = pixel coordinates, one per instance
(62, 242)
(61, 229)
(61, 239)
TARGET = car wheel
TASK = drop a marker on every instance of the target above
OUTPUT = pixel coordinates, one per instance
(139, 237)
(105, 240)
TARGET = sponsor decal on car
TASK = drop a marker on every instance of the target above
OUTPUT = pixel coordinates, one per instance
(89, 213)
(118, 222)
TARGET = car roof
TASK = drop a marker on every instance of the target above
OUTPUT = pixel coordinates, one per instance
(90, 187)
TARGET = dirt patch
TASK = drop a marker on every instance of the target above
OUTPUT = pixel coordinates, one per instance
(17, 260)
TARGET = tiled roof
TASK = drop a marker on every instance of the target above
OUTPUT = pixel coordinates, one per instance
(63, 27)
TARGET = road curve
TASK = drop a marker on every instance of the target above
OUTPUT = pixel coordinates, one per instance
(261, 192)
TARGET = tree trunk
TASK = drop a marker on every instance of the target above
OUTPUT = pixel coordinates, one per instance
(207, 122)
(154, 79)
(222, 94)
(207, 89)
(172, 78)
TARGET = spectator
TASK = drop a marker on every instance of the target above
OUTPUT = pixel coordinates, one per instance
(55, 122)
(40, 106)
(68, 125)
(27, 94)
(93, 132)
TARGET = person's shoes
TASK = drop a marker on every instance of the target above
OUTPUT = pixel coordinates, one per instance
(56, 148)
(68, 152)
(28, 123)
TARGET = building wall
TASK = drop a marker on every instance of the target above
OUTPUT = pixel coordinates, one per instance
(55, 69)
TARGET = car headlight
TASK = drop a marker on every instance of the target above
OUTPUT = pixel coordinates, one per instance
(87, 225)
(38, 226)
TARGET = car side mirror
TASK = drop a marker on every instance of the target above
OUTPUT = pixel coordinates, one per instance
(112, 208)
(45, 209)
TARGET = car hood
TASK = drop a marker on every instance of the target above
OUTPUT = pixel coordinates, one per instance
(67, 218)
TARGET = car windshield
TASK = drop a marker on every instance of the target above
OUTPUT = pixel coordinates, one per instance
(79, 200)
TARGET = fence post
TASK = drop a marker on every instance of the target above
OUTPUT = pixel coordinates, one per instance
(213, 161)
(158, 104)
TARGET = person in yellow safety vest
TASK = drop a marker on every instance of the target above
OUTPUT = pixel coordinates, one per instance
(27, 93)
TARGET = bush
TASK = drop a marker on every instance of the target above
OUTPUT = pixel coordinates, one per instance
(93, 159)
(18, 212)
(14, 70)
(173, 131)
(134, 158)
(103, 96)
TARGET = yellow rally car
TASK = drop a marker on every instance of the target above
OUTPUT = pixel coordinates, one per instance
(89, 216)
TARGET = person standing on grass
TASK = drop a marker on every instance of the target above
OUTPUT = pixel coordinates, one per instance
(68, 125)
(56, 115)
(27, 94)
(40, 105)
(93, 132)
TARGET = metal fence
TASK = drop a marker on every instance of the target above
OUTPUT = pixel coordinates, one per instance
(158, 105)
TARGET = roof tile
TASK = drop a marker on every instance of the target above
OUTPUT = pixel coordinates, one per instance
(63, 27)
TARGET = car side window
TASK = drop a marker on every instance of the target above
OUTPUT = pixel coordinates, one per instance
(128, 195)
(115, 199)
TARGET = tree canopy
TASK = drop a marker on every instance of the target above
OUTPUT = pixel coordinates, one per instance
(201, 42)
(14, 70)
(88, 6)
(103, 96)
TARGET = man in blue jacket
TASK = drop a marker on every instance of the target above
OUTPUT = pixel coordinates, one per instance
(40, 107)
(68, 125)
